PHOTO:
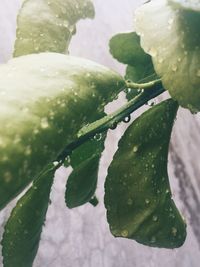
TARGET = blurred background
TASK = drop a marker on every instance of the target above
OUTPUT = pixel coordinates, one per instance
(81, 237)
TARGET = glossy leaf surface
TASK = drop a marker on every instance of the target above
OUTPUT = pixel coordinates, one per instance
(171, 37)
(45, 100)
(44, 25)
(23, 229)
(137, 192)
(82, 182)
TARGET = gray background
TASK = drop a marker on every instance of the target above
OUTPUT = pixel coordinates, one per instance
(80, 237)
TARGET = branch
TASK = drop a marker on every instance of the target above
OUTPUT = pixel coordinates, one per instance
(111, 121)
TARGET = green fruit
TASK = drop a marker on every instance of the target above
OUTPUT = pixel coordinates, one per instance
(171, 37)
(45, 100)
(137, 192)
(44, 25)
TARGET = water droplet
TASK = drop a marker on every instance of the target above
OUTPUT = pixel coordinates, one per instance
(127, 119)
(174, 231)
(147, 201)
(155, 218)
(44, 123)
(174, 68)
(130, 202)
(113, 126)
(153, 239)
(198, 73)
(25, 232)
(98, 136)
(55, 163)
(28, 151)
(124, 233)
(150, 103)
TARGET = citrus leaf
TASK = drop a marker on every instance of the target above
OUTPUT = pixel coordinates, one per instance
(137, 192)
(23, 229)
(126, 48)
(171, 37)
(45, 100)
(82, 182)
(192, 5)
(44, 25)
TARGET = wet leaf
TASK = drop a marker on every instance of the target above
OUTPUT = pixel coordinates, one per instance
(45, 100)
(126, 48)
(137, 192)
(82, 182)
(44, 25)
(23, 229)
(171, 37)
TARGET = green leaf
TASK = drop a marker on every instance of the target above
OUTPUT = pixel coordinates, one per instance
(137, 192)
(44, 25)
(23, 229)
(82, 182)
(45, 100)
(191, 5)
(171, 37)
(126, 48)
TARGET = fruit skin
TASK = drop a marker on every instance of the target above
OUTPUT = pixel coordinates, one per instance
(171, 37)
(45, 99)
(44, 25)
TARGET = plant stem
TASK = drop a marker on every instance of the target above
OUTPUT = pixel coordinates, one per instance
(147, 85)
(110, 121)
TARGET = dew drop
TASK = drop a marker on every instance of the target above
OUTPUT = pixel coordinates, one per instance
(155, 218)
(25, 232)
(198, 73)
(174, 68)
(44, 123)
(147, 201)
(98, 136)
(153, 239)
(127, 119)
(174, 231)
(130, 202)
(113, 126)
(124, 233)
(55, 163)
(150, 103)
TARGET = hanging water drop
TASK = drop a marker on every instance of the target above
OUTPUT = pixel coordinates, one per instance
(127, 119)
